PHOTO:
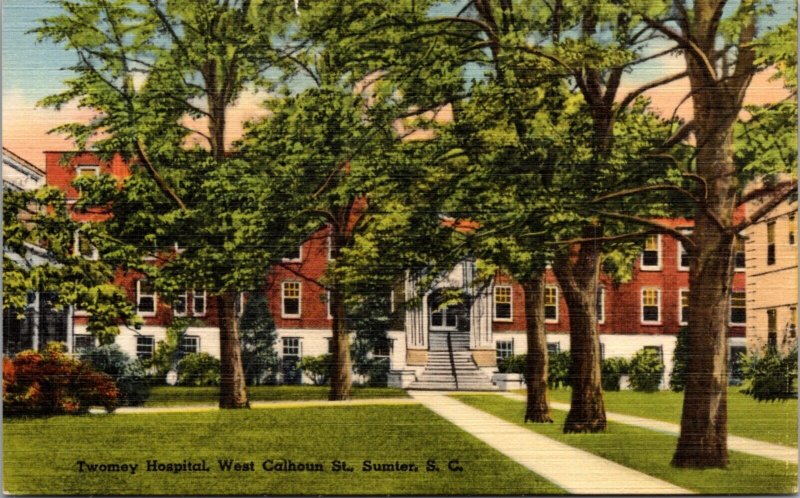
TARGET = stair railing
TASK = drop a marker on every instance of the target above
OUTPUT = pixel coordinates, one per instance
(452, 359)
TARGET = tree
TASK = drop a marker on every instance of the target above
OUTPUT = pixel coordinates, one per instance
(158, 76)
(257, 335)
(722, 50)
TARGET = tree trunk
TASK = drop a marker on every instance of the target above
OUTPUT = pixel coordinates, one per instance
(577, 275)
(537, 410)
(232, 388)
(341, 368)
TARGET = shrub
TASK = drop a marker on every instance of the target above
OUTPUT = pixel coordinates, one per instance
(770, 375)
(198, 369)
(52, 383)
(558, 370)
(129, 375)
(167, 353)
(514, 364)
(611, 370)
(376, 370)
(680, 361)
(257, 336)
(646, 371)
(318, 368)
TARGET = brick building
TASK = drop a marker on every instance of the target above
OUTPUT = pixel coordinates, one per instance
(646, 312)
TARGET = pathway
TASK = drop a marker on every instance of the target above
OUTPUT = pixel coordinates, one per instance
(574, 470)
(736, 443)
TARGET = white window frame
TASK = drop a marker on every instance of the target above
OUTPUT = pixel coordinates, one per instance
(681, 250)
(76, 248)
(197, 341)
(744, 254)
(391, 301)
(642, 305)
(185, 305)
(601, 301)
(299, 299)
(152, 346)
(139, 297)
(329, 242)
(299, 346)
(558, 297)
(195, 295)
(444, 325)
(327, 304)
(497, 349)
(299, 257)
(680, 304)
(510, 304)
(81, 168)
(730, 309)
(659, 252)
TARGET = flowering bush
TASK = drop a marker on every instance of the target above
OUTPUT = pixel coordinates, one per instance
(52, 383)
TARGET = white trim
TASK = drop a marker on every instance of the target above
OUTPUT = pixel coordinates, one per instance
(444, 325)
(299, 299)
(76, 249)
(680, 305)
(391, 301)
(558, 297)
(730, 309)
(194, 303)
(510, 304)
(185, 305)
(601, 299)
(328, 242)
(658, 304)
(139, 296)
(657, 266)
(187, 336)
(299, 257)
(327, 304)
(87, 167)
(680, 252)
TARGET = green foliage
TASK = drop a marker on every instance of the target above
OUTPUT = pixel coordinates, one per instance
(167, 353)
(646, 371)
(318, 368)
(611, 370)
(257, 336)
(198, 369)
(514, 364)
(680, 361)
(770, 374)
(558, 370)
(52, 383)
(129, 375)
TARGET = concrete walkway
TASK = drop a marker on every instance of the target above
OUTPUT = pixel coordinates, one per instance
(755, 447)
(574, 470)
(259, 405)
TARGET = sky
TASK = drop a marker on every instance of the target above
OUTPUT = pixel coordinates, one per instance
(31, 70)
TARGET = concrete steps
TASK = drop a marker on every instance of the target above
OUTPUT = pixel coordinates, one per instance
(459, 341)
(443, 373)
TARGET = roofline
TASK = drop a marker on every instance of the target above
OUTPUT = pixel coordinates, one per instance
(22, 160)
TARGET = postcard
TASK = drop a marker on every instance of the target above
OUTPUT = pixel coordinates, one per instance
(409, 247)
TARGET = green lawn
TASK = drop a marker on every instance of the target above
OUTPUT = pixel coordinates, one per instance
(176, 396)
(774, 422)
(40, 455)
(650, 452)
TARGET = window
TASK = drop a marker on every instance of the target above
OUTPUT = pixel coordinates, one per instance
(291, 346)
(190, 344)
(295, 256)
(657, 350)
(772, 328)
(383, 348)
(738, 254)
(553, 347)
(684, 261)
(290, 294)
(328, 304)
(551, 304)
(793, 322)
(601, 305)
(502, 303)
(329, 242)
(179, 305)
(444, 318)
(199, 303)
(738, 308)
(684, 304)
(145, 346)
(651, 256)
(602, 351)
(771, 243)
(238, 304)
(505, 349)
(792, 229)
(82, 247)
(87, 170)
(651, 305)
(145, 298)
(82, 343)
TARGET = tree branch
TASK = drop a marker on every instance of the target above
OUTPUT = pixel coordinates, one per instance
(649, 86)
(780, 195)
(646, 188)
(687, 44)
(162, 184)
(688, 242)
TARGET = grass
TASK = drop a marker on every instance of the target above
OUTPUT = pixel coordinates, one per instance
(177, 396)
(774, 422)
(40, 455)
(650, 452)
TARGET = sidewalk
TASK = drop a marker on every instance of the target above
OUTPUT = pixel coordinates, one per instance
(764, 449)
(259, 405)
(574, 470)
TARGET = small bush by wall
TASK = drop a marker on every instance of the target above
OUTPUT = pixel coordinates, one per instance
(611, 371)
(770, 374)
(318, 368)
(128, 374)
(52, 383)
(646, 371)
(198, 369)
(558, 370)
